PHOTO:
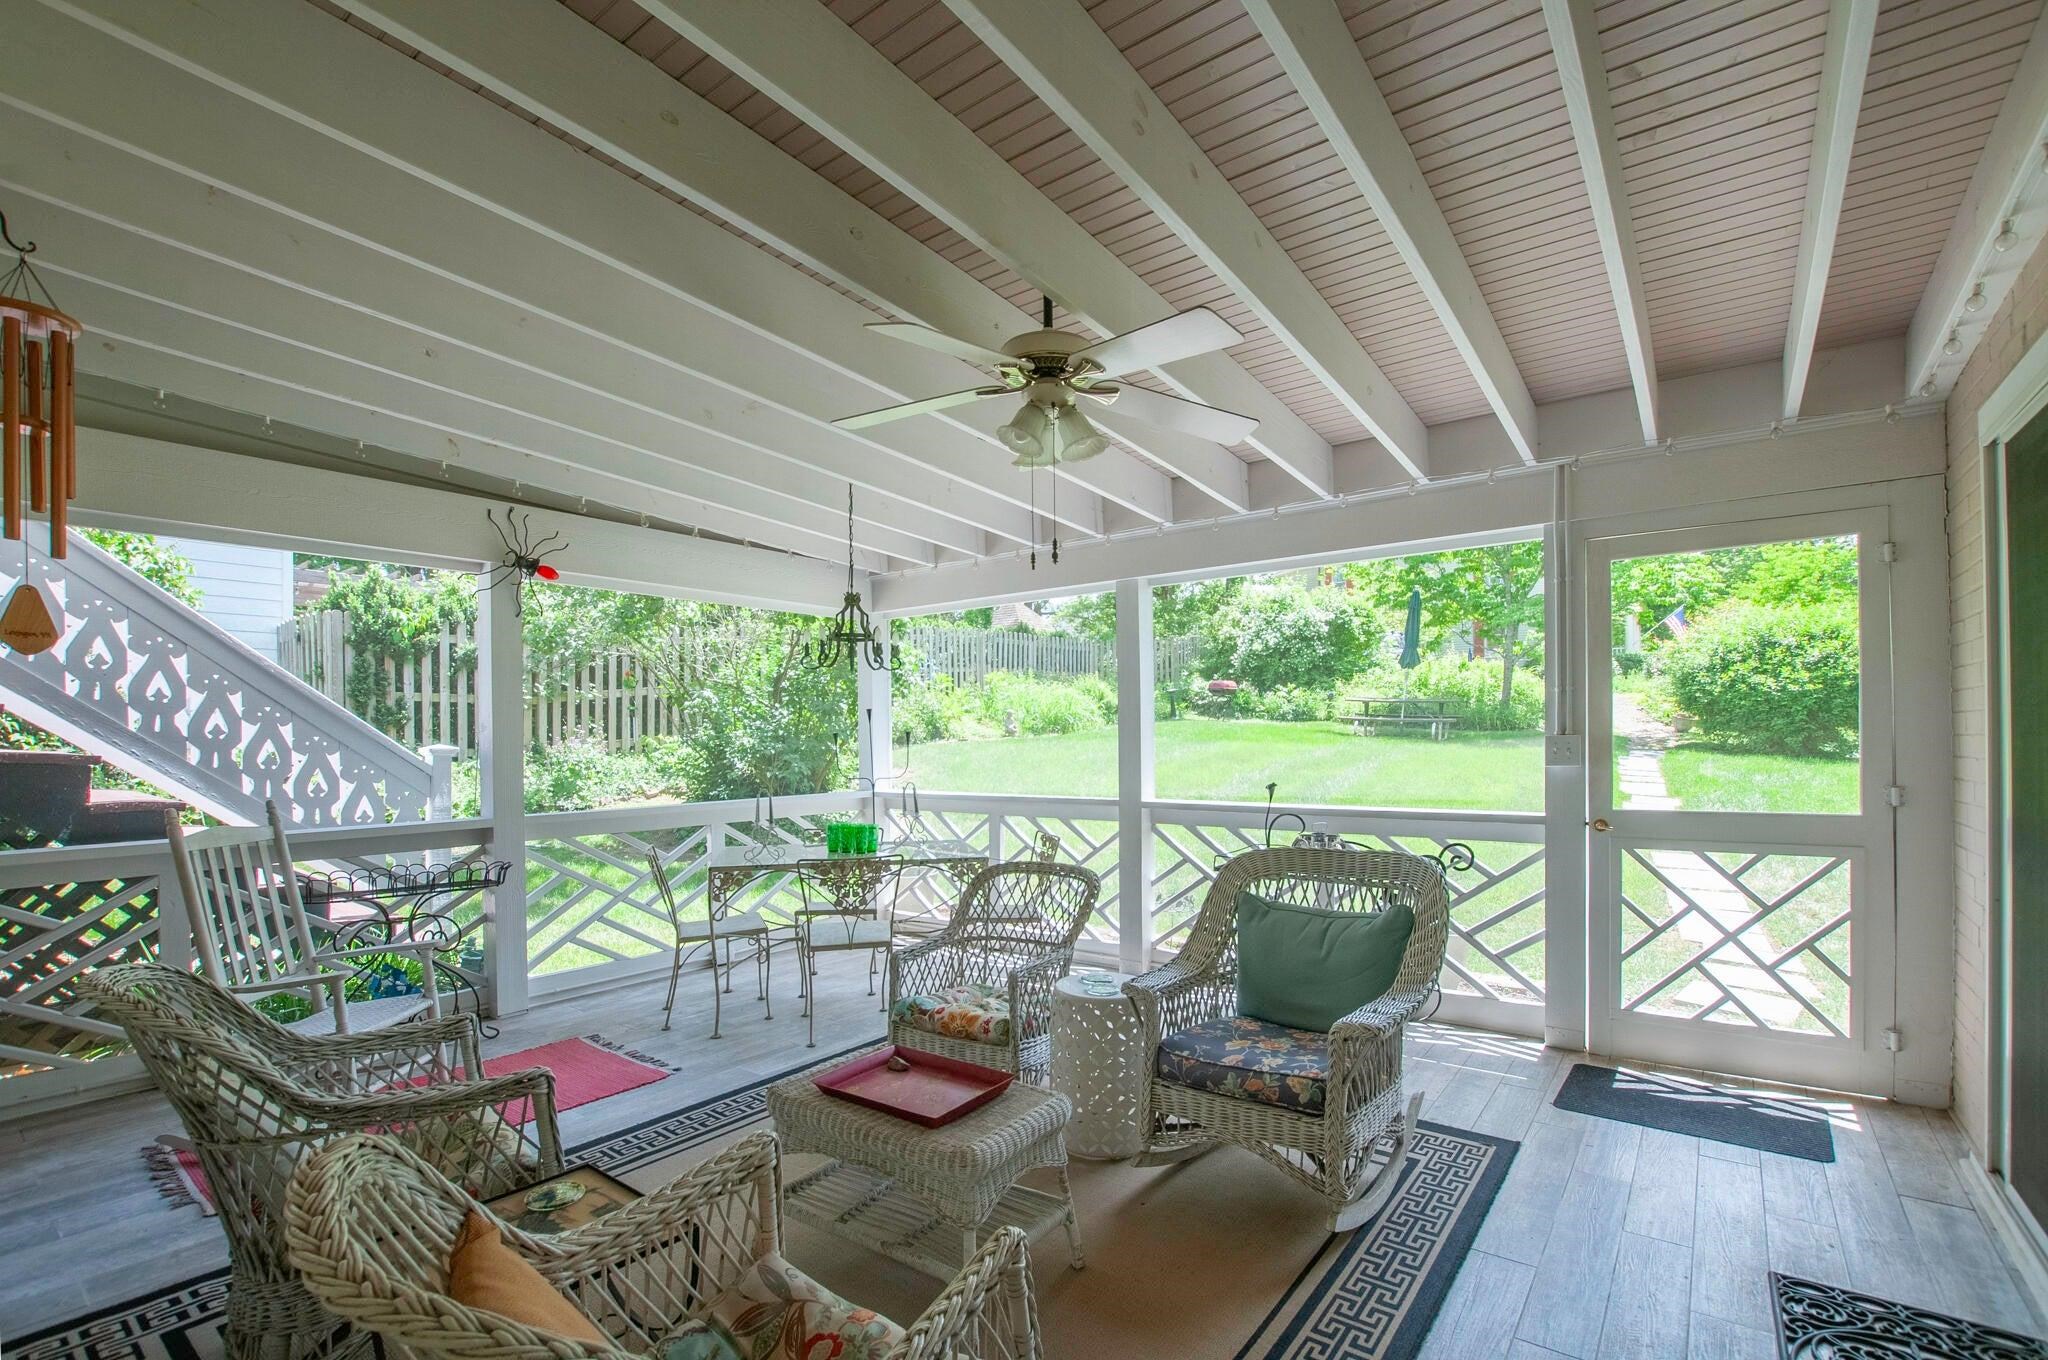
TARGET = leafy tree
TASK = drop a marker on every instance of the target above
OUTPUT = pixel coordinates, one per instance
(762, 719)
(394, 614)
(1804, 571)
(1277, 632)
(1493, 590)
(150, 558)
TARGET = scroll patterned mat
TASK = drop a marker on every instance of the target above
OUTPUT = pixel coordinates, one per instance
(1659, 1102)
(1220, 1258)
(1822, 1322)
(587, 1068)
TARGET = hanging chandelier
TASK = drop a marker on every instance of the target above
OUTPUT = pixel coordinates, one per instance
(38, 429)
(850, 637)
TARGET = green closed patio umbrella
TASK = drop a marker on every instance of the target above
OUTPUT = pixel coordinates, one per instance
(1411, 632)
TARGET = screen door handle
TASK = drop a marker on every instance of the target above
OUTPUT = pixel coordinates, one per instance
(1602, 824)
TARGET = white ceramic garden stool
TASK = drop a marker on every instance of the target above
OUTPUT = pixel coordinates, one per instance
(1098, 1062)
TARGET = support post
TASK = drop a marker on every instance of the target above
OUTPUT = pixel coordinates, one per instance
(1134, 782)
(501, 778)
(874, 725)
(1567, 904)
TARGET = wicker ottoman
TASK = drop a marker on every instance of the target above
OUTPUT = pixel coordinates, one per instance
(924, 1196)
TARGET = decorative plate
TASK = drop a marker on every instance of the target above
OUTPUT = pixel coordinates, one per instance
(545, 1199)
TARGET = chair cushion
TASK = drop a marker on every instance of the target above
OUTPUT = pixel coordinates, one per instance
(973, 1010)
(485, 1273)
(1308, 968)
(776, 1312)
(1251, 1060)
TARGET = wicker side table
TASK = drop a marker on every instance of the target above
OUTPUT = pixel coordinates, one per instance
(1098, 1059)
(924, 1196)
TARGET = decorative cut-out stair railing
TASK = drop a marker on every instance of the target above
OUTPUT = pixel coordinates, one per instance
(152, 685)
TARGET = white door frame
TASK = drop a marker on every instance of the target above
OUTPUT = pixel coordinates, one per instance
(1922, 1005)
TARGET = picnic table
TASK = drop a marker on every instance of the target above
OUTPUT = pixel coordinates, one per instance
(1375, 711)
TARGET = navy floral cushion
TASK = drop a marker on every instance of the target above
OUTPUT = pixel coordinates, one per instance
(1252, 1060)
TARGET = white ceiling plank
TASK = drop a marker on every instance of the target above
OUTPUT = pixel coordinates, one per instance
(540, 57)
(116, 84)
(156, 486)
(1313, 45)
(1582, 70)
(2007, 185)
(285, 382)
(1852, 26)
(1071, 64)
(802, 56)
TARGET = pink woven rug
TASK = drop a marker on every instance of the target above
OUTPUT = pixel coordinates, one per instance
(586, 1069)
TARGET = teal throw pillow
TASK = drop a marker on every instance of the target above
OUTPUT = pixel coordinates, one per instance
(1307, 968)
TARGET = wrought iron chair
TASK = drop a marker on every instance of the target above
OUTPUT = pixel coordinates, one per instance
(255, 1097)
(254, 937)
(849, 904)
(721, 923)
(1346, 1137)
(981, 989)
(1045, 849)
(371, 1225)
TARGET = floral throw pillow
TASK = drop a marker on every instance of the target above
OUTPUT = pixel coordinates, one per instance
(776, 1312)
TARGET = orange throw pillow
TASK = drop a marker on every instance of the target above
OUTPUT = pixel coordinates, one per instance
(485, 1273)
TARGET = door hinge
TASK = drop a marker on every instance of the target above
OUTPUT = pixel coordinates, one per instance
(1887, 551)
(1895, 795)
(1894, 1040)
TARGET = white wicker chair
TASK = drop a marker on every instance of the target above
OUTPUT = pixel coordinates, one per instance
(255, 1097)
(370, 1226)
(1350, 1153)
(1014, 930)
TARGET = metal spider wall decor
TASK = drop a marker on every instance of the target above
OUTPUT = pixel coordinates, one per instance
(525, 557)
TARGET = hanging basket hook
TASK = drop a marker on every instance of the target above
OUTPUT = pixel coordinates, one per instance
(12, 244)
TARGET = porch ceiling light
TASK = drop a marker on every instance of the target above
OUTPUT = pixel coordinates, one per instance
(1051, 429)
(850, 637)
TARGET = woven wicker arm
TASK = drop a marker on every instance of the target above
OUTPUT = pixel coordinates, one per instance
(986, 1313)
(365, 1061)
(1031, 987)
(927, 966)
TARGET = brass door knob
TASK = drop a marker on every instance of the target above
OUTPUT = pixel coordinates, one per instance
(1602, 824)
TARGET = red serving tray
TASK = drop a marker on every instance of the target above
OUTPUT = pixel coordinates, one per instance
(935, 1091)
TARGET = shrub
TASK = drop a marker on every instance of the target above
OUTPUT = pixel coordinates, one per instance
(1473, 689)
(1288, 703)
(1276, 634)
(937, 710)
(1770, 677)
(1032, 707)
(581, 774)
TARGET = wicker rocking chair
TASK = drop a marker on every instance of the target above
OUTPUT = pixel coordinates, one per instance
(255, 1098)
(981, 989)
(370, 1225)
(1347, 1144)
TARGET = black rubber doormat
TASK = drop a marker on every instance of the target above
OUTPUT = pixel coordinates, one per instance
(1821, 1322)
(1702, 1111)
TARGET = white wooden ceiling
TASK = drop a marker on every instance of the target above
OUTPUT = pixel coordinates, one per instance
(623, 251)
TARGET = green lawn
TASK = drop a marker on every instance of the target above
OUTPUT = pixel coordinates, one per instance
(1233, 761)
(1705, 779)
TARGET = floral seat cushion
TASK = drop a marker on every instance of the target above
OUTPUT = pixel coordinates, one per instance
(776, 1312)
(974, 1010)
(1251, 1060)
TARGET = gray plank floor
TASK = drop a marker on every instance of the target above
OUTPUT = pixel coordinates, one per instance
(1607, 1240)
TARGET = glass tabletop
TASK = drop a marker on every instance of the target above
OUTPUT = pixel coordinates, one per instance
(796, 856)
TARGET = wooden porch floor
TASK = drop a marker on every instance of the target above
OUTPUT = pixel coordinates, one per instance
(1607, 1240)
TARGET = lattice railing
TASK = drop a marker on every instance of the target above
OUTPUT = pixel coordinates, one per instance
(1497, 905)
(157, 688)
(1004, 828)
(51, 935)
(591, 900)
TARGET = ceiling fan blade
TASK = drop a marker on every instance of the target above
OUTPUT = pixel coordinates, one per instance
(942, 342)
(918, 408)
(1189, 417)
(1192, 332)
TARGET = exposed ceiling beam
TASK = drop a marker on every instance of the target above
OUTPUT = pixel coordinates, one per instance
(1582, 70)
(2007, 186)
(1845, 61)
(146, 81)
(1070, 63)
(1320, 56)
(540, 57)
(807, 60)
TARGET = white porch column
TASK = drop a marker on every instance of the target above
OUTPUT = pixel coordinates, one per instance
(501, 779)
(874, 725)
(1566, 906)
(1134, 783)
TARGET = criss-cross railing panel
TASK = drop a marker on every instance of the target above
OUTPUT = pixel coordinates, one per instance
(1755, 938)
(51, 935)
(1005, 827)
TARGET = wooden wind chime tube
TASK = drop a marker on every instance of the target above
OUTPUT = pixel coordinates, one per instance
(38, 432)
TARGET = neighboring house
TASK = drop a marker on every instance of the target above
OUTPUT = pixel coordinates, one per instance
(247, 591)
(1019, 616)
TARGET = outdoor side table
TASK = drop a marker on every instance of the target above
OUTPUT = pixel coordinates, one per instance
(1098, 1058)
(924, 1196)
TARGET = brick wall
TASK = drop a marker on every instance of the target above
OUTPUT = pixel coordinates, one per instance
(2012, 329)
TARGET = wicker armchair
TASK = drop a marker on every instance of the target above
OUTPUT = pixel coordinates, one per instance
(370, 1225)
(1351, 1151)
(1011, 938)
(255, 1097)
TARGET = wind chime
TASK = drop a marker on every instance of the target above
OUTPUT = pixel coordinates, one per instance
(38, 436)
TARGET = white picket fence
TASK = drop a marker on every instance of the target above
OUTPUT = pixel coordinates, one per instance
(619, 699)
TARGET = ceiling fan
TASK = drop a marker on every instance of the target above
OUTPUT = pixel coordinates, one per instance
(1051, 368)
